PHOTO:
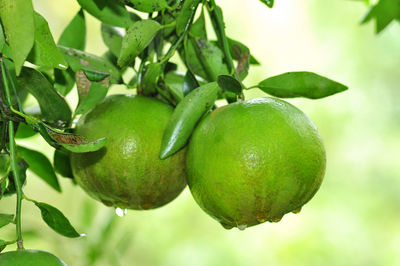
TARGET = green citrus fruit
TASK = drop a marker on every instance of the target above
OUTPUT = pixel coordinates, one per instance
(127, 172)
(29, 257)
(254, 161)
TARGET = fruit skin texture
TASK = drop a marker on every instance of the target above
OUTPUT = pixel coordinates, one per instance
(29, 257)
(127, 172)
(254, 161)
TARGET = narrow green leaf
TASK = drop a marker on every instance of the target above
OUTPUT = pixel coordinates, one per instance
(74, 35)
(149, 6)
(229, 83)
(62, 163)
(186, 116)
(300, 84)
(6, 219)
(40, 165)
(189, 83)
(90, 92)
(2, 39)
(109, 12)
(184, 15)
(148, 84)
(268, 3)
(137, 38)
(80, 60)
(112, 38)
(56, 220)
(18, 21)
(53, 107)
(45, 52)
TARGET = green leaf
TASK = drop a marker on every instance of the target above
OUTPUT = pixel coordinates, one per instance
(2, 39)
(109, 12)
(64, 81)
(148, 84)
(189, 83)
(186, 116)
(198, 28)
(56, 220)
(6, 219)
(74, 35)
(62, 163)
(238, 49)
(40, 165)
(229, 83)
(24, 131)
(300, 84)
(80, 60)
(184, 15)
(18, 22)
(112, 38)
(4, 164)
(174, 81)
(45, 52)
(137, 38)
(149, 6)
(268, 3)
(384, 12)
(90, 92)
(53, 107)
(205, 59)
(21, 169)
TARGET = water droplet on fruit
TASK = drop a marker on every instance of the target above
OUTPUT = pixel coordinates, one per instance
(296, 211)
(242, 226)
(226, 226)
(120, 212)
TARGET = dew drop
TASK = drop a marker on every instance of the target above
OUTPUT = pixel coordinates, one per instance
(242, 226)
(296, 211)
(120, 212)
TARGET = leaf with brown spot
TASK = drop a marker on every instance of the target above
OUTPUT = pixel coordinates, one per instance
(90, 92)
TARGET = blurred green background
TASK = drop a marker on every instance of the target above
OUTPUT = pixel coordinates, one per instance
(355, 217)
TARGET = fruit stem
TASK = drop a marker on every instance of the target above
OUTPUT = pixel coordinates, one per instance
(175, 46)
(219, 27)
(13, 155)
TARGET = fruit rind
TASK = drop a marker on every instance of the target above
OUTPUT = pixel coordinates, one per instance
(127, 172)
(254, 161)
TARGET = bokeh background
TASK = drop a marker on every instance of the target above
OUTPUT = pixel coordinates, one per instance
(355, 217)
